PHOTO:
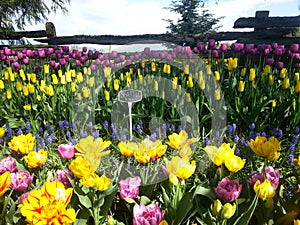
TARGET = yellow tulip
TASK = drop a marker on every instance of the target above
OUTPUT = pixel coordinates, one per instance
(252, 74)
(38, 97)
(174, 83)
(121, 76)
(79, 96)
(79, 77)
(73, 87)
(188, 97)
(80, 167)
(232, 63)
(241, 87)
(27, 107)
(217, 75)
(186, 69)
(68, 76)
(228, 211)
(286, 83)
(155, 85)
(296, 77)
(25, 90)
(54, 79)
(22, 74)
(283, 72)
(181, 142)
(6, 75)
(296, 222)
(116, 85)
(8, 94)
(42, 85)
(63, 79)
(22, 143)
(179, 168)
(108, 83)
(88, 180)
(102, 183)
(274, 103)
(266, 148)
(86, 92)
(31, 88)
(46, 68)
(141, 79)
(2, 132)
(235, 163)
(19, 86)
(219, 155)
(208, 70)
(266, 189)
(60, 73)
(216, 207)
(49, 90)
(297, 88)
(243, 71)
(217, 94)
(167, 68)
(107, 95)
(1, 85)
(190, 83)
(91, 81)
(201, 81)
(153, 66)
(12, 77)
(36, 159)
(271, 79)
(267, 69)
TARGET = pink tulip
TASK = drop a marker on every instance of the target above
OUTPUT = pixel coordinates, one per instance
(256, 176)
(228, 190)
(129, 188)
(150, 215)
(21, 180)
(22, 197)
(7, 164)
(66, 151)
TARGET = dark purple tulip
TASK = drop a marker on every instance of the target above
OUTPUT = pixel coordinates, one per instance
(195, 50)
(279, 65)
(58, 55)
(278, 51)
(131, 57)
(97, 53)
(155, 54)
(297, 65)
(146, 70)
(50, 51)
(101, 57)
(201, 47)
(78, 54)
(215, 53)
(163, 55)
(112, 65)
(65, 48)
(137, 56)
(84, 49)
(55, 47)
(237, 47)
(83, 59)
(128, 62)
(37, 69)
(169, 57)
(269, 61)
(25, 61)
(106, 62)
(66, 57)
(90, 53)
(57, 66)
(296, 56)
(211, 44)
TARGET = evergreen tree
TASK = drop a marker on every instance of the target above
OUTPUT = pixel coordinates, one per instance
(18, 13)
(191, 20)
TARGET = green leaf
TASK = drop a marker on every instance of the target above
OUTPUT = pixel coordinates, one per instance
(246, 216)
(207, 192)
(130, 200)
(82, 217)
(145, 200)
(183, 209)
(85, 201)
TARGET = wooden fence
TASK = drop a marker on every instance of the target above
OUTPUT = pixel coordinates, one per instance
(266, 30)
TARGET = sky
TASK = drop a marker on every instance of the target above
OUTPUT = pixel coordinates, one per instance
(129, 17)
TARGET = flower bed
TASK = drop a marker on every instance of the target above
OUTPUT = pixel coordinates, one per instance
(215, 138)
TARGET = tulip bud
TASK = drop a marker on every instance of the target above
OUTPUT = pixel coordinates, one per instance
(186, 69)
(241, 87)
(252, 74)
(216, 207)
(283, 72)
(8, 94)
(190, 83)
(286, 83)
(228, 211)
(243, 71)
(107, 95)
(271, 80)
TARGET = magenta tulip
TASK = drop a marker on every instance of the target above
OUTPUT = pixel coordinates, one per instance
(151, 215)
(63, 176)
(129, 188)
(66, 151)
(21, 180)
(272, 175)
(7, 164)
(228, 190)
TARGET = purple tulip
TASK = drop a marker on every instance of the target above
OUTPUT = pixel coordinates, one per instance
(62, 61)
(41, 53)
(211, 44)
(255, 177)
(16, 65)
(237, 47)
(272, 175)
(7, 51)
(84, 49)
(147, 51)
(122, 58)
(129, 188)
(20, 55)
(66, 151)
(52, 63)
(113, 54)
(279, 65)
(7, 164)
(223, 47)
(297, 65)
(151, 215)
(93, 67)
(228, 190)
(21, 180)
(294, 48)
(63, 176)
(270, 61)
(201, 47)
(279, 51)
(65, 48)
(23, 196)
(274, 45)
